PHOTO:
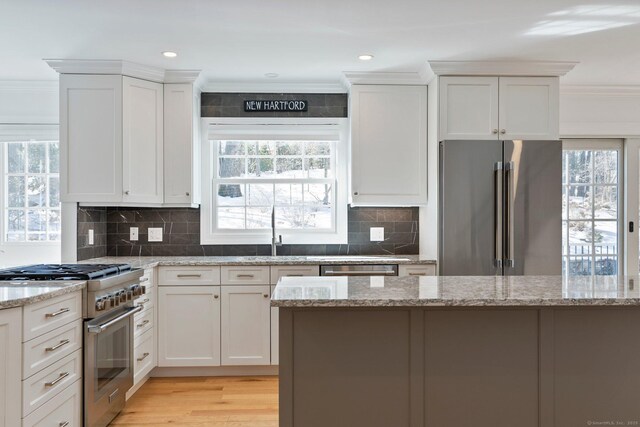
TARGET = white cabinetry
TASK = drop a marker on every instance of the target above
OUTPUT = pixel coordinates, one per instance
(181, 144)
(246, 325)
(490, 108)
(189, 326)
(111, 148)
(10, 367)
(388, 145)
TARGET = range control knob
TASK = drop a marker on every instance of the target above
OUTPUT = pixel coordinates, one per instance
(101, 304)
(123, 296)
(115, 301)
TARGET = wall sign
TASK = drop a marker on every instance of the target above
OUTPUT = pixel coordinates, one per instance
(252, 106)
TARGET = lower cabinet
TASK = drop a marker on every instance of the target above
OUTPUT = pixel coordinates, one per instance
(10, 367)
(188, 326)
(246, 325)
(64, 410)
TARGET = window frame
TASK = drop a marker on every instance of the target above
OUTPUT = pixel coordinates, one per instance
(23, 133)
(600, 144)
(298, 129)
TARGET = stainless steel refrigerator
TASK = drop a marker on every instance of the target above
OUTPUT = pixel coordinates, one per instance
(500, 206)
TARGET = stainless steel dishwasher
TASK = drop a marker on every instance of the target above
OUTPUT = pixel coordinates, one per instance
(359, 270)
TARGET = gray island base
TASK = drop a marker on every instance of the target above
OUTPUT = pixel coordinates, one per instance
(459, 351)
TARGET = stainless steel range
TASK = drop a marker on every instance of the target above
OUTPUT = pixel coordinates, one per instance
(108, 329)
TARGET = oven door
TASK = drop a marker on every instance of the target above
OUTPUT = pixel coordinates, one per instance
(108, 365)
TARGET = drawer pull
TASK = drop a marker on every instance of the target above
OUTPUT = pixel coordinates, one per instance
(295, 275)
(265, 295)
(142, 324)
(144, 279)
(63, 424)
(62, 376)
(216, 296)
(144, 356)
(246, 276)
(57, 346)
(189, 275)
(417, 274)
(57, 313)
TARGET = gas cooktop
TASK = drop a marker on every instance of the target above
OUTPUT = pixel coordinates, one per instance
(63, 271)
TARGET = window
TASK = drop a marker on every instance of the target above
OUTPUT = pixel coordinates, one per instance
(296, 170)
(591, 208)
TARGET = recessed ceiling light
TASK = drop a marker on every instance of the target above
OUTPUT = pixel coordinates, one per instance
(271, 75)
(170, 54)
(365, 57)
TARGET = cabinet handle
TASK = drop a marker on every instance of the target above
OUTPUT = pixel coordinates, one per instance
(355, 193)
(63, 424)
(57, 313)
(216, 296)
(141, 324)
(126, 192)
(144, 356)
(417, 274)
(503, 131)
(265, 295)
(246, 276)
(187, 193)
(189, 275)
(57, 346)
(495, 131)
(62, 376)
(294, 275)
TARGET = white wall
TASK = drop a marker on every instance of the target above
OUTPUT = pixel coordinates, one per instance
(28, 103)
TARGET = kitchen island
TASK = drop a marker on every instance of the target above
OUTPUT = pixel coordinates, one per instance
(459, 351)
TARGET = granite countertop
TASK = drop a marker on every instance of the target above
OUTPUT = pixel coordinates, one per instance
(453, 291)
(151, 261)
(19, 293)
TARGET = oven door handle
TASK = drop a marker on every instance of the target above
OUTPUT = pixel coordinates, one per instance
(96, 329)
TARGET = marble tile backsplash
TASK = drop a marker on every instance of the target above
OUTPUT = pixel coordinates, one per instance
(181, 234)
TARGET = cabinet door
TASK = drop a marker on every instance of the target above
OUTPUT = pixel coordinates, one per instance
(275, 325)
(142, 141)
(529, 108)
(246, 325)
(388, 145)
(468, 108)
(189, 326)
(90, 138)
(179, 143)
(10, 367)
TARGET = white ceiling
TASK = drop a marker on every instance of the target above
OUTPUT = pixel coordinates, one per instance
(316, 40)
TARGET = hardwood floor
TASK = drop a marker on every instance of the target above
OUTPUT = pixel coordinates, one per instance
(203, 401)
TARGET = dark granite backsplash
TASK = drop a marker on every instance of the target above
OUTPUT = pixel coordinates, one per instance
(221, 104)
(181, 236)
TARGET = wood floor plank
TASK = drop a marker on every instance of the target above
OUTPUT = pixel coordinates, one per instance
(203, 401)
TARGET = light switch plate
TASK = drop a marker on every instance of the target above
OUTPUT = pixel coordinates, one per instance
(133, 233)
(155, 234)
(90, 237)
(376, 234)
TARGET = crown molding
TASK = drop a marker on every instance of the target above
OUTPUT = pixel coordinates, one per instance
(501, 68)
(275, 87)
(385, 78)
(601, 90)
(125, 68)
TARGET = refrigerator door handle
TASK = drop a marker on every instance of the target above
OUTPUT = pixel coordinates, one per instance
(509, 241)
(498, 182)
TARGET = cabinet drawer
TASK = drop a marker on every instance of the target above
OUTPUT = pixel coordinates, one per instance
(147, 300)
(245, 275)
(278, 271)
(148, 278)
(45, 316)
(188, 276)
(142, 322)
(143, 356)
(47, 383)
(417, 270)
(66, 407)
(46, 349)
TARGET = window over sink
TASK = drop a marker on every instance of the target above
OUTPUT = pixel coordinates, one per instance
(297, 169)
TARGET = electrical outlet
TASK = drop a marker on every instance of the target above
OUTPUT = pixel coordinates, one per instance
(155, 234)
(133, 233)
(90, 237)
(376, 234)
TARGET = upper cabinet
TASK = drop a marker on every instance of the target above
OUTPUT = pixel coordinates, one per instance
(181, 144)
(489, 108)
(388, 145)
(110, 139)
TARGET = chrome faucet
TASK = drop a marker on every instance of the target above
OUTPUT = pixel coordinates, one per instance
(274, 242)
